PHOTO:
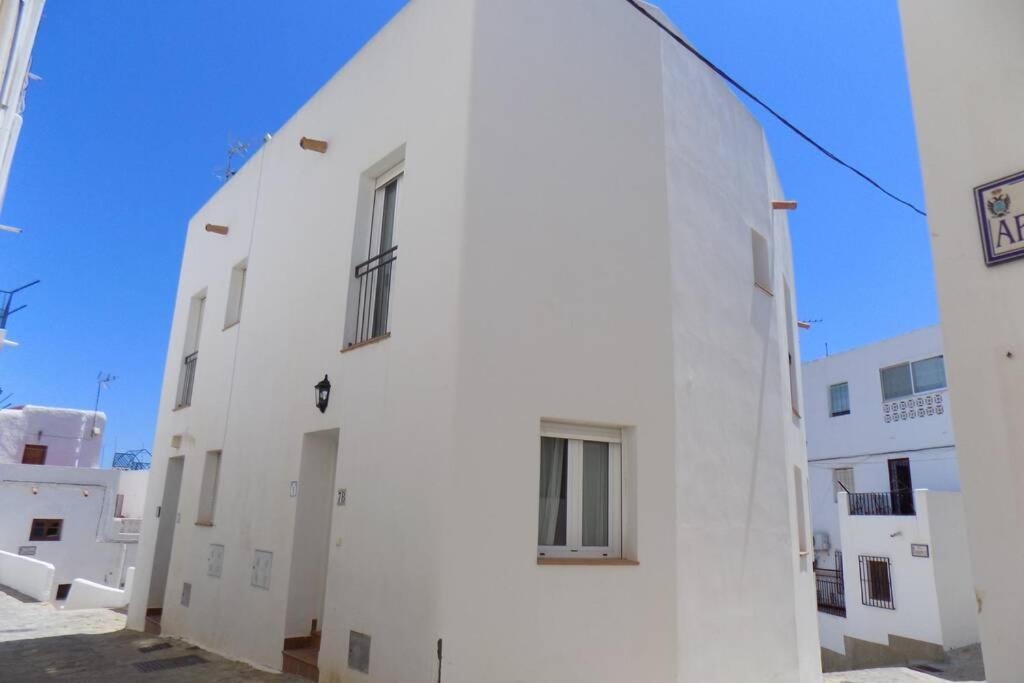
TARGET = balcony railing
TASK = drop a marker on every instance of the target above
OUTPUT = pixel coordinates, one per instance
(187, 380)
(882, 503)
(831, 589)
(373, 304)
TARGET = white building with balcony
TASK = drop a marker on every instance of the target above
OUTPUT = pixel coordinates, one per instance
(892, 565)
(540, 268)
(59, 508)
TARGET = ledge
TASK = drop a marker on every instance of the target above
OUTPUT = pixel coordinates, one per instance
(765, 290)
(353, 347)
(230, 325)
(588, 561)
(204, 523)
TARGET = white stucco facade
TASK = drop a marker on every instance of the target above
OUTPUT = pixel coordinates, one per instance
(72, 438)
(963, 62)
(575, 223)
(19, 21)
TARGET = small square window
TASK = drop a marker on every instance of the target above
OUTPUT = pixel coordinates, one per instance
(839, 399)
(876, 582)
(46, 529)
(896, 381)
(236, 293)
(929, 374)
(580, 493)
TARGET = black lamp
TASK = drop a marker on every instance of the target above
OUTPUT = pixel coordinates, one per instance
(323, 393)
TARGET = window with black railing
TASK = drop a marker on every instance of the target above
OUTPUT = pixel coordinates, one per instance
(187, 380)
(899, 502)
(374, 277)
(876, 582)
(831, 588)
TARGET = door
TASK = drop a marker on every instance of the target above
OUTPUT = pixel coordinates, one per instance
(34, 454)
(166, 522)
(901, 486)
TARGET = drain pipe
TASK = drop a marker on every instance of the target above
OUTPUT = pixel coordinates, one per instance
(438, 660)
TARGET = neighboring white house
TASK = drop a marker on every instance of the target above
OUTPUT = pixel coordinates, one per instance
(563, 439)
(893, 571)
(58, 506)
(964, 64)
(19, 20)
(41, 435)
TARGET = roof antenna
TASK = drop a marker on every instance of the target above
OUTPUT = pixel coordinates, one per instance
(102, 380)
(238, 148)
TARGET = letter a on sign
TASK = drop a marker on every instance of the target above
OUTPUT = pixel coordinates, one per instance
(1000, 207)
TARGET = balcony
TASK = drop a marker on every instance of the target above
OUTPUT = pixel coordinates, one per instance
(186, 381)
(831, 589)
(899, 503)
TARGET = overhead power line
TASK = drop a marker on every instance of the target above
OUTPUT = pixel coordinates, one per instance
(807, 138)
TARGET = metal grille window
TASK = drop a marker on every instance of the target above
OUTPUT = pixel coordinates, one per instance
(374, 276)
(831, 589)
(839, 399)
(876, 582)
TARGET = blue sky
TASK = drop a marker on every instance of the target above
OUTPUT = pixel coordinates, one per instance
(139, 100)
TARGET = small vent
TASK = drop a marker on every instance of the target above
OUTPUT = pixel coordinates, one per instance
(170, 663)
(359, 651)
(63, 590)
(186, 594)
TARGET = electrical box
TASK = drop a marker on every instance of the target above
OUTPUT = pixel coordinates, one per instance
(359, 651)
(261, 564)
(215, 560)
(186, 594)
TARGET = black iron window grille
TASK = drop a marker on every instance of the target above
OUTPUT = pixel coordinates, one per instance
(374, 278)
(876, 582)
(187, 381)
(882, 503)
(831, 588)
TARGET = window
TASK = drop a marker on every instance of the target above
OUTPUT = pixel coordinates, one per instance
(906, 379)
(190, 357)
(46, 529)
(119, 505)
(236, 293)
(842, 480)
(34, 454)
(762, 261)
(373, 277)
(580, 492)
(794, 395)
(63, 590)
(208, 489)
(839, 399)
(876, 582)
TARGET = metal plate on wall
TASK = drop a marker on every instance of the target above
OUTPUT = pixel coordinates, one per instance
(359, 651)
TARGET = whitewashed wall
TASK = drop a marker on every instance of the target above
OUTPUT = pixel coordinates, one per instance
(91, 546)
(66, 433)
(963, 60)
(555, 261)
(27, 575)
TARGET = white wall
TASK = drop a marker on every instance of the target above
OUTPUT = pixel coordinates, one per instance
(27, 575)
(19, 21)
(555, 261)
(964, 66)
(132, 485)
(91, 545)
(954, 581)
(66, 433)
(86, 594)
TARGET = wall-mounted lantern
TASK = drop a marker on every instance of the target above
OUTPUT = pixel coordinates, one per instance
(323, 393)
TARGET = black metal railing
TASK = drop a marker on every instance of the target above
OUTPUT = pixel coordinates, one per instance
(831, 589)
(373, 304)
(882, 503)
(187, 380)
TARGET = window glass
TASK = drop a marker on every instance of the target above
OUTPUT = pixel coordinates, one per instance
(554, 475)
(929, 374)
(879, 582)
(896, 382)
(595, 493)
(839, 399)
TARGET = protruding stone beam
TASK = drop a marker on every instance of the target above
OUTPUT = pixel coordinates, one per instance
(784, 204)
(313, 145)
(218, 229)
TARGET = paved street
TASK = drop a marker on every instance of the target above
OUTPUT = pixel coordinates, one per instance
(41, 643)
(964, 665)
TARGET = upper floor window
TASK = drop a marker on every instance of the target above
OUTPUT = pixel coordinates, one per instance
(236, 293)
(374, 275)
(208, 489)
(34, 454)
(876, 582)
(762, 261)
(794, 395)
(907, 379)
(190, 357)
(580, 492)
(46, 529)
(839, 399)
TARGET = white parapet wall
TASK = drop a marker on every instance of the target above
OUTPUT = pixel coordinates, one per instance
(87, 594)
(32, 577)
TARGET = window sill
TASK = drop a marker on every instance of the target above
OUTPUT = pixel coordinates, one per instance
(181, 408)
(210, 524)
(588, 561)
(353, 347)
(230, 325)
(765, 290)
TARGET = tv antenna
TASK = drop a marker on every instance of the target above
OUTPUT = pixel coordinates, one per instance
(102, 380)
(236, 150)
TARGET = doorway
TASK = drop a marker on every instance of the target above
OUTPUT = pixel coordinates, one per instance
(168, 516)
(901, 487)
(311, 539)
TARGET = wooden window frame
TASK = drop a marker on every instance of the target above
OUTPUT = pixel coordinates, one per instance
(45, 523)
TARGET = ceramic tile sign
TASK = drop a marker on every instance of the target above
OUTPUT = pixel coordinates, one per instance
(1000, 206)
(919, 550)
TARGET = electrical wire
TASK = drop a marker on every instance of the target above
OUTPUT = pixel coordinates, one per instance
(807, 138)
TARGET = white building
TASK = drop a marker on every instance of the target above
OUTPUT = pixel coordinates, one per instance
(563, 440)
(58, 506)
(893, 572)
(963, 59)
(19, 20)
